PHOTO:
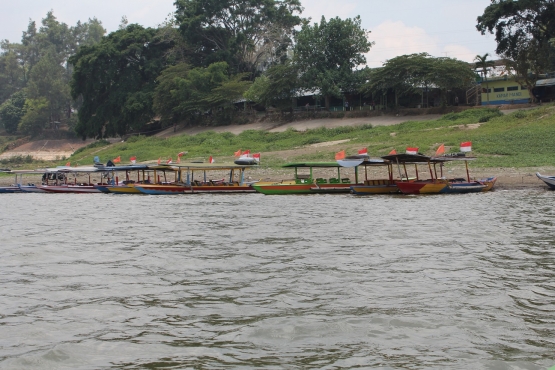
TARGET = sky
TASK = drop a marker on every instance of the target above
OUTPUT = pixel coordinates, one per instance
(442, 28)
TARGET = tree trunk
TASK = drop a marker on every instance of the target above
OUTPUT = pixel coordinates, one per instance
(327, 100)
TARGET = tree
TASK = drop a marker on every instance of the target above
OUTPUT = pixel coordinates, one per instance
(278, 86)
(407, 74)
(12, 110)
(199, 91)
(523, 30)
(484, 65)
(37, 115)
(328, 53)
(12, 75)
(116, 79)
(249, 35)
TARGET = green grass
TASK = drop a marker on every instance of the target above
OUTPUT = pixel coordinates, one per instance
(522, 139)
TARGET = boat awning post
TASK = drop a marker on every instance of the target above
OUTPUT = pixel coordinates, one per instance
(430, 168)
(406, 173)
(242, 176)
(204, 172)
(399, 168)
(365, 173)
(467, 173)
(356, 174)
(435, 170)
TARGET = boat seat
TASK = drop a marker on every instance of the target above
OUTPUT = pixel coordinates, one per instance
(334, 180)
(321, 181)
(346, 180)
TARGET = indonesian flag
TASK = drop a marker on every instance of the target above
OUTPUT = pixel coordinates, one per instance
(68, 164)
(169, 161)
(256, 157)
(133, 159)
(440, 150)
(211, 160)
(247, 152)
(340, 155)
(237, 153)
(159, 160)
(393, 152)
(117, 160)
(466, 146)
(412, 150)
(363, 151)
(179, 155)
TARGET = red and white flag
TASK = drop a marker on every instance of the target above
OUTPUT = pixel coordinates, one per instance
(412, 150)
(211, 160)
(247, 152)
(68, 164)
(179, 155)
(363, 151)
(133, 159)
(256, 157)
(466, 146)
(440, 150)
(169, 161)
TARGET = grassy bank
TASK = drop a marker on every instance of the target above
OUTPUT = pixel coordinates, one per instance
(520, 139)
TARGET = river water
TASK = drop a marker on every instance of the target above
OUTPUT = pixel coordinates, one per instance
(296, 282)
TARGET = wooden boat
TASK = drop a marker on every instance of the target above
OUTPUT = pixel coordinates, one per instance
(372, 186)
(437, 184)
(307, 183)
(114, 185)
(549, 180)
(19, 186)
(56, 180)
(194, 178)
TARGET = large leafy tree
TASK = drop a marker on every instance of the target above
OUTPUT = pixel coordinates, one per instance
(278, 86)
(195, 92)
(327, 54)
(12, 110)
(408, 74)
(115, 79)
(523, 30)
(248, 34)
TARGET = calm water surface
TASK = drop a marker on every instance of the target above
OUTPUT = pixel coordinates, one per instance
(295, 282)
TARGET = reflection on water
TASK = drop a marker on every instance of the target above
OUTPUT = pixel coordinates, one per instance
(251, 281)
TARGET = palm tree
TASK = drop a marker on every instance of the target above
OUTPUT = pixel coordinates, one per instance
(484, 65)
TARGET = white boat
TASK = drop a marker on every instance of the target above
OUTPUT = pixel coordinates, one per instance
(549, 180)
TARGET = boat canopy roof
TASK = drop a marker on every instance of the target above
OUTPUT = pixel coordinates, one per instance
(353, 162)
(206, 166)
(312, 164)
(407, 158)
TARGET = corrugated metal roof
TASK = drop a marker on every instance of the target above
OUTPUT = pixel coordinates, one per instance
(546, 82)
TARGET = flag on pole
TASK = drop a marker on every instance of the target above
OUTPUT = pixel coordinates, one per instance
(363, 151)
(159, 160)
(237, 153)
(440, 150)
(133, 159)
(466, 146)
(412, 150)
(246, 152)
(211, 160)
(340, 155)
(179, 155)
(169, 161)
(256, 157)
(393, 152)
(117, 160)
(68, 164)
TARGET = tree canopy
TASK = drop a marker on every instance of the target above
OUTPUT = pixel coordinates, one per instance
(116, 80)
(523, 30)
(327, 54)
(249, 35)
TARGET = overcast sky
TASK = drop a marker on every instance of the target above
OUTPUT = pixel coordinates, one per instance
(438, 27)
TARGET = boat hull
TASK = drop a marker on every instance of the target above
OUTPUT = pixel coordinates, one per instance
(306, 188)
(9, 189)
(163, 189)
(446, 187)
(31, 189)
(371, 187)
(548, 180)
(76, 189)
